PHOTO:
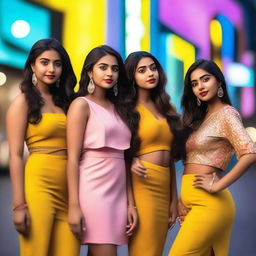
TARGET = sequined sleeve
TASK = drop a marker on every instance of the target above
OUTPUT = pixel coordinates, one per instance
(234, 131)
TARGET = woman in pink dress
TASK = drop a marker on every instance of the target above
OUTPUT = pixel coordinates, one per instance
(99, 125)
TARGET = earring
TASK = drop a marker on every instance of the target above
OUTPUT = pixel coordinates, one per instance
(115, 89)
(57, 83)
(34, 79)
(91, 86)
(220, 92)
(198, 101)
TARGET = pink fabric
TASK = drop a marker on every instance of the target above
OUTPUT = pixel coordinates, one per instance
(102, 181)
(105, 128)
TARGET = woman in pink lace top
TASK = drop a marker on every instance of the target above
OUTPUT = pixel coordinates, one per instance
(215, 131)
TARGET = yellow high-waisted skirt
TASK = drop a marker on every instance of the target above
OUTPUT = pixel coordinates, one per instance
(46, 196)
(152, 198)
(207, 227)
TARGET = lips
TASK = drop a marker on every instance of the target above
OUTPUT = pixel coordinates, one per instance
(109, 81)
(50, 76)
(151, 81)
(203, 94)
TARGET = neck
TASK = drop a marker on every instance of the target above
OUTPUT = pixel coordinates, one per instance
(143, 95)
(214, 105)
(43, 88)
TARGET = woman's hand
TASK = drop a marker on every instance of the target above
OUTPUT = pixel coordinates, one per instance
(132, 220)
(76, 221)
(182, 212)
(21, 220)
(173, 213)
(206, 182)
(138, 168)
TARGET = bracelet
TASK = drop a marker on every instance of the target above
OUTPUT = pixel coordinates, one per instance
(132, 206)
(20, 207)
(212, 181)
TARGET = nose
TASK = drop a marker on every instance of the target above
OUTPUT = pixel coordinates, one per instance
(109, 72)
(150, 72)
(51, 67)
(200, 86)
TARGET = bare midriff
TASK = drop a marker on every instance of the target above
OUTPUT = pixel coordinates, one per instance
(160, 157)
(201, 169)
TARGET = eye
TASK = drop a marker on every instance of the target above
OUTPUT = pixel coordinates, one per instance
(103, 67)
(153, 68)
(44, 62)
(115, 69)
(194, 84)
(141, 70)
(206, 79)
(58, 64)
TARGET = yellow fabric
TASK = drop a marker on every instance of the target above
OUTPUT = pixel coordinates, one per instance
(152, 198)
(48, 135)
(208, 224)
(46, 192)
(154, 134)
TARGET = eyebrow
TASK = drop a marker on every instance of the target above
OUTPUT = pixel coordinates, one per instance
(105, 64)
(153, 63)
(49, 59)
(201, 77)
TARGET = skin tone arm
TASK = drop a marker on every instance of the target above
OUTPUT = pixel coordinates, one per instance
(77, 117)
(16, 121)
(174, 197)
(132, 212)
(207, 183)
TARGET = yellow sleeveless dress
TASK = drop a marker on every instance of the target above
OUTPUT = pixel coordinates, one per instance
(46, 190)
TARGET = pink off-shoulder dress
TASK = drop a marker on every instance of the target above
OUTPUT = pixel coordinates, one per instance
(102, 182)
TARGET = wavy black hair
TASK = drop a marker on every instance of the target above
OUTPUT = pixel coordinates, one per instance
(61, 94)
(120, 102)
(160, 98)
(193, 115)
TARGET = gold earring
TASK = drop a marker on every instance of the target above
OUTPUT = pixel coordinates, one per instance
(34, 79)
(91, 86)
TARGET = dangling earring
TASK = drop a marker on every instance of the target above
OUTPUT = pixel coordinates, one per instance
(198, 101)
(57, 83)
(34, 79)
(115, 89)
(91, 86)
(220, 92)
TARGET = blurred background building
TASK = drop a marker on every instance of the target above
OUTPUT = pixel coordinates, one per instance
(176, 31)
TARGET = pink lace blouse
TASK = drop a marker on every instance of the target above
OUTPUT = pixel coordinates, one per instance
(217, 138)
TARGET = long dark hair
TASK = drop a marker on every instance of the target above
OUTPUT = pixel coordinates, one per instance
(193, 115)
(121, 104)
(160, 98)
(61, 93)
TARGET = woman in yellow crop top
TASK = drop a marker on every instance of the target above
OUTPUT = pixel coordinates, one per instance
(215, 131)
(37, 116)
(153, 173)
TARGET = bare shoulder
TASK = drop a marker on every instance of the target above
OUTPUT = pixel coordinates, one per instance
(79, 107)
(19, 105)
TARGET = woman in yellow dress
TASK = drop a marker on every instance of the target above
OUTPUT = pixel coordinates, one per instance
(215, 131)
(37, 116)
(153, 148)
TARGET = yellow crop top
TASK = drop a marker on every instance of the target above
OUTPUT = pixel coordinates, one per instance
(49, 135)
(154, 133)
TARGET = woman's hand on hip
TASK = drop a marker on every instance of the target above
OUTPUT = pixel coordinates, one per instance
(138, 168)
(76, 221)
(206, 182)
